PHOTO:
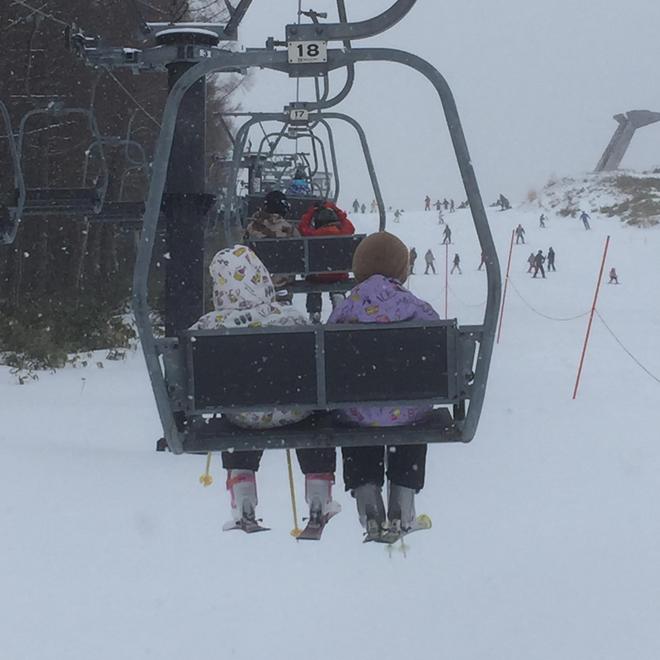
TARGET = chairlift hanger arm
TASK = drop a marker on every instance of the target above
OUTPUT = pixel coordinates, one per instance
(237, 14)
(348, 31)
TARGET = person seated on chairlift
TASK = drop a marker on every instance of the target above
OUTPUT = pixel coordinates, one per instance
(299, 185)
(381, 267)
(270, 222)
(244, 297)
(324, 219)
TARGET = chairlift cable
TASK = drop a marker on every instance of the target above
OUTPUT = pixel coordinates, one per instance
(35, 10)
(137, 103)
(22, 19)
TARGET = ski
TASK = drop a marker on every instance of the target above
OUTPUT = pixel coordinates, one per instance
(393, 532)
(247, 525)
(315, 525)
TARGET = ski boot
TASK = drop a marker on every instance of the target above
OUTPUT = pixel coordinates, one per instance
(318, 494)
(401, 514)
(401, 506)
(242, 487)
(371, 510)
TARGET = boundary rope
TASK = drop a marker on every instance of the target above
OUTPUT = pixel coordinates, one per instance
(545, 316)
(626, 350)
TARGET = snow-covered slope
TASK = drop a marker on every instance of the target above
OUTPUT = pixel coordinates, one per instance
(633, 197)
(545, 541)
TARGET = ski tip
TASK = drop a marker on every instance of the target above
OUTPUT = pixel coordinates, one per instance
(424, 521)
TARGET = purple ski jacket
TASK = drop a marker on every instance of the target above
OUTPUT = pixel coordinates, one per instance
(382, 300)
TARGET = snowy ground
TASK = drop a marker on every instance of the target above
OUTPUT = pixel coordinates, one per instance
(545, 542)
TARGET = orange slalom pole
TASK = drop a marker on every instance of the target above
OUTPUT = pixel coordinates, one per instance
(591, 318)
(446, 280)
(506, 286)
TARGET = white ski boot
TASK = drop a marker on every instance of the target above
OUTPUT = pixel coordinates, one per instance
(318, 494)
(242, 487)
(401, 514)
(371, 510)
(401, 507)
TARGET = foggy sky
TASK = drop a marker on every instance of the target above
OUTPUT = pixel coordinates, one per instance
(536, 85)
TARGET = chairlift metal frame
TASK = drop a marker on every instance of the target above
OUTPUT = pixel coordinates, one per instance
(85, 201)
(187, 432)
(9, 224)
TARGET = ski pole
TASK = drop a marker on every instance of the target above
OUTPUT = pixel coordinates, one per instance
(206, 479)
(296, 530)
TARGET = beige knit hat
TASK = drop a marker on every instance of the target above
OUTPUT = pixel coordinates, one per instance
(381, 254)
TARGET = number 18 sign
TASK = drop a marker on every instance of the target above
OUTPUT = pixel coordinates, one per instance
(308, 52)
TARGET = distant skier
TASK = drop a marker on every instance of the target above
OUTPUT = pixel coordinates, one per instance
(531, 260)
(446, 236)
(430, 259)
(397, 216)
(585, 217)
(483, 261)
(452, 207)
(520, 234)
(503, 203)
(457, 265)
(542, 220)
(374, 206)
(441, 217)
(539, 260)
(438, 205)
(412, 259)
(427, 203)
(356, 206)
(445, 203)
(551, 260)
(614, 278)
(363, 209)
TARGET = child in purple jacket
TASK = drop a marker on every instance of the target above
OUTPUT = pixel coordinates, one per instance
(380, 265)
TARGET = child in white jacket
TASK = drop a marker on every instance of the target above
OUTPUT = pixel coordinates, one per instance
(244, 296)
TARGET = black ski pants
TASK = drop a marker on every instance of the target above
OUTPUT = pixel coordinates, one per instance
(312, 461)
(429, 264)
(406, 466)
(537, 269)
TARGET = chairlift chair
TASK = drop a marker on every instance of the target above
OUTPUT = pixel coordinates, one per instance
(199, 375)
(82, 201)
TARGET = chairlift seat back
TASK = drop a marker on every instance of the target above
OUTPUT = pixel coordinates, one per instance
(307, 256)
(321, 367)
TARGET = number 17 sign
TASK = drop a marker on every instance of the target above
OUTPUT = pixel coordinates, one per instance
(308, 52)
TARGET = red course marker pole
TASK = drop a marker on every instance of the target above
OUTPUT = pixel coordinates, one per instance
(446, 280)
(506, 286)
(591, 318)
